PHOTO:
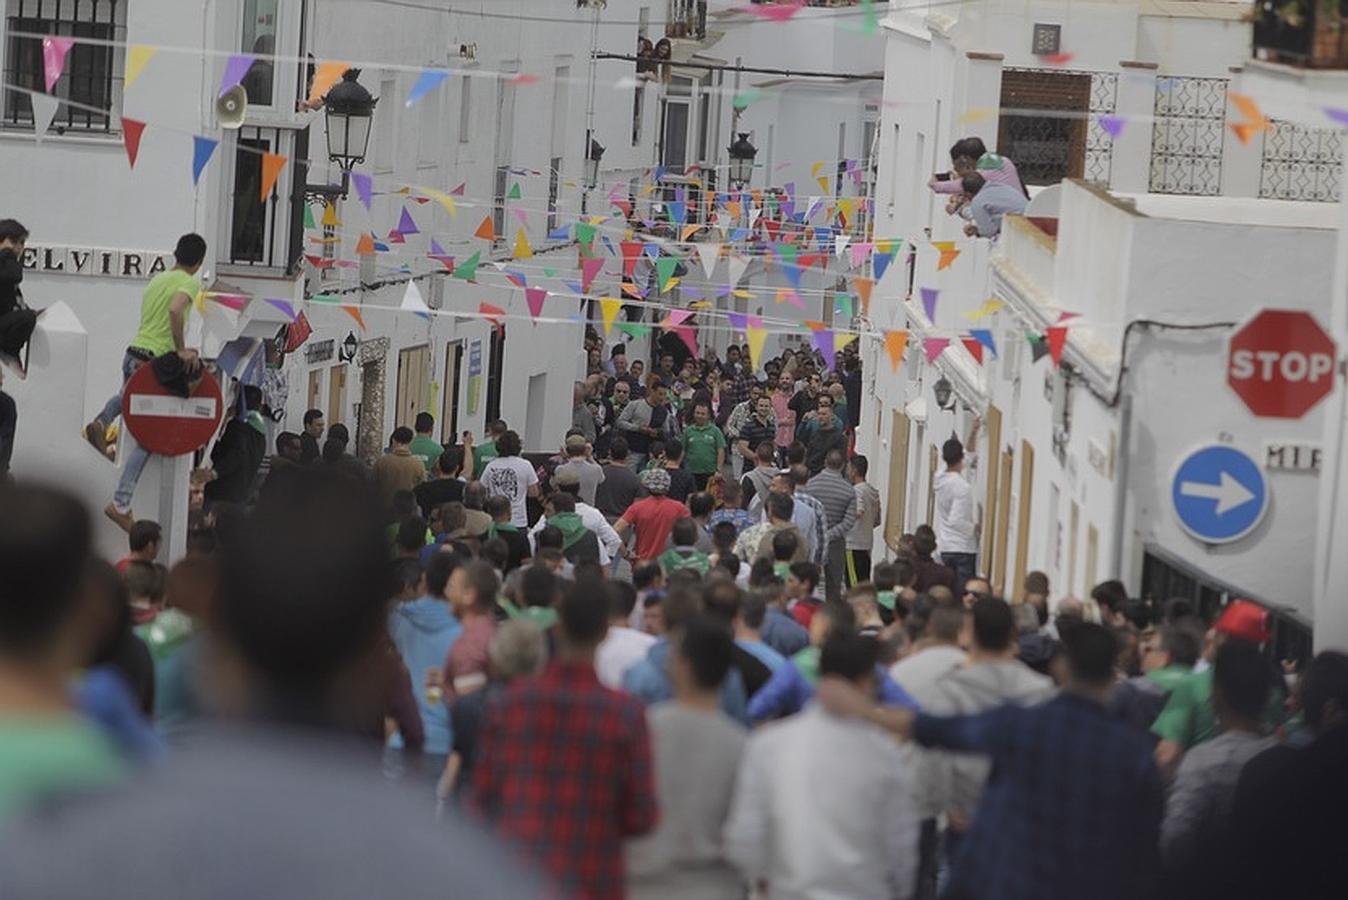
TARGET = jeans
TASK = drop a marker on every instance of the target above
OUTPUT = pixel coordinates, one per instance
(965, 566)
(636, 461)
(136, 455)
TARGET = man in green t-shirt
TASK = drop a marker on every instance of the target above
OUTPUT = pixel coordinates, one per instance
(704, 446)
(424, 447)
(45, 748)
(486, 451)
(164, 309)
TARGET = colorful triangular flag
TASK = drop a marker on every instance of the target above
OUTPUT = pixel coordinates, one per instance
(895, 344)
(515, 192)
(535, 297)
(984, 337)
(664, 270)
(486, 230)
(863, 288)
(929, 297)
(609, 308)
(934, 347)
(589, 269)
(429, 80)
(354, 312)
(974, 347)
(236, 67)
(202, 150)
(132, 129)
(54, 52)
(468, 270)
(364, 188)
(948, 253)
(272, 164)
(285, 307)
(326, 74)
(137, 56)
(1057, 340)
(522, 248)
(406, 225)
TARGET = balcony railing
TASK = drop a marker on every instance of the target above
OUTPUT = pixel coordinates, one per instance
(1308, 33)
(687, 19)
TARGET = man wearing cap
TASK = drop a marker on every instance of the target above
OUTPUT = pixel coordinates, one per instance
(1188, 718)
(588, 473)
(652, 518)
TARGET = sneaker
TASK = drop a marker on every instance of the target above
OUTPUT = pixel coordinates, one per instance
(97, 436)
(124, 520)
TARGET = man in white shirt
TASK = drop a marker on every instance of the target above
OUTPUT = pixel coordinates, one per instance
(956, 530)
(609, 541)
(812, 828)
(623, 646)
(512, 477)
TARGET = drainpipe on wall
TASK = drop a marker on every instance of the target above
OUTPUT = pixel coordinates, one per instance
(1121, 485)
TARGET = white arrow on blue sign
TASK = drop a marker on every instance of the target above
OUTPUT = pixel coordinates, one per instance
(1219, 494)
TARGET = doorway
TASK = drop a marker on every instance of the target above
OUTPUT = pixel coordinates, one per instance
(414, 370)
(536, 406)
(449, 409)
(337, 394)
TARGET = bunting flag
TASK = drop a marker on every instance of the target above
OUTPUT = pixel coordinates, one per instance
(738, 265)
(1038, 346)
(842, 305)
(786, 295)
(929, 297)
(934, 347)
(585, 234)
(562, 233)
(756, 335)
(468, 271)
(974, 347)
(406, 225)
(738, 321)
(365, 245)
(329, 219)
(664, 271)
(364, 188)
(326, 75)
(841, 339)
(236, 67)
(1111, 125)
(396, 237)
(675, 318)
(885, 251)
(859, 251)
(283, 305)
(132, 129)
(525, 78)
(518, 279)
(354, 312)
(1057, 340)
(493, 314)
(990, 306)
(863, 288)
(871, 23)
(1247, 106)
(589, 269)
(814, 325)
(948, 253)
(535, 297)
(54, 52)
(609, 307)
(689, 338)
(443, 199)
(486, 230)
(272, 164)
(631, 251)
(984, 338)
(1066, 317)
(522, 250)
(634, 329)
(137, 56)
(709, 254)
(896, 342)
(458, 191)
(823, 184)
(429, 80)
(515, 192)
(308, 215)
(44, 113)
(235, 302)
(688, 231)
(823, 342)
(202, 150)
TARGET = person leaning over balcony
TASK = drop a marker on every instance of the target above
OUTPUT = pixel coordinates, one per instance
(987, 203)
(994, 167)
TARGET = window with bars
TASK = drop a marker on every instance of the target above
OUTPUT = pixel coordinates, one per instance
(265, 233)
(91, 86)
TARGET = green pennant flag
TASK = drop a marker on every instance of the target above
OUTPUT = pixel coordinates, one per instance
(742, 99)
(787, 253)
(871, 23)
(323, 298)
(515, 193)
(584, 234)
(550, 272)
(843, 303)
(664, 269)
(467, 270)
(633, 329)
(309, 217)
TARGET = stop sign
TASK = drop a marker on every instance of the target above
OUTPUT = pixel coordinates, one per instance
(165, 423)
(1281, 363)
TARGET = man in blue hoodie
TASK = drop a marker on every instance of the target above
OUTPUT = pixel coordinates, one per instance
(423, 630)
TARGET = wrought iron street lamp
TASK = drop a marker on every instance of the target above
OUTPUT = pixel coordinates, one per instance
(349, 110)
(742, 154)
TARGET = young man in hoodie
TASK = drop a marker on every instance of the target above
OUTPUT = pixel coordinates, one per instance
(424, 630)
(683, 552)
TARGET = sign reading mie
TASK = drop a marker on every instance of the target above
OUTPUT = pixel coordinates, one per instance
(1281, 363)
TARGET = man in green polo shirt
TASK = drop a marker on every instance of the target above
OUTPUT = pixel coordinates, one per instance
(424, 447)
(704, 446)
(486, 451)
(164, 308)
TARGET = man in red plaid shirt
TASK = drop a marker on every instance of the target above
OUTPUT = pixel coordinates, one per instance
(564, 767)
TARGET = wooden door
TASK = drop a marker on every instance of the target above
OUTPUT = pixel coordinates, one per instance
(993, 424)
(932, 461)
(337, 394)
(997, 571)
(898, 480)
(414, 367)
(1023, 512)
(315, 389)
(1092, 555)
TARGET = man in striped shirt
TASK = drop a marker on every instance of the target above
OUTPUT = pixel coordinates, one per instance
(839, 499)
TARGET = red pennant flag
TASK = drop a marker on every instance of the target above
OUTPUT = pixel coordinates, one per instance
(297, 332)
(808, 260)
(631, 253)
(1057, 340)
(974, 347)
(589, 268)
(131, 132)
(535, 298)
(494, 315)
(319, 262)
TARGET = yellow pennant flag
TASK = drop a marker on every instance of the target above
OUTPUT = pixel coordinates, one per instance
(977, 114)
(200, 301)
(896, 342)
(948, 253)
(689, 231)
(609, 306)
(987, 309)
(522, 248)
(841, 339)
(137, 56)
(756, 337)
(845, 209)
(326, 75)
(442, 198)
(814, 169)
(330, 216)
(742, 294)
(823, 184)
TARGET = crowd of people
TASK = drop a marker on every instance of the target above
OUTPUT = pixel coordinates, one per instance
(660, 663)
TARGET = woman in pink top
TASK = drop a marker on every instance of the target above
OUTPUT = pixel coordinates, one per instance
(994, 168)
(786, 416)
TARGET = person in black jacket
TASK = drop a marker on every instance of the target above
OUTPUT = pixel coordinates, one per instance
(238, 454)
(16, 319)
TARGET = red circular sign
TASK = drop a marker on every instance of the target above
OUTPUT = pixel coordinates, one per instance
(1281, 363)
(165, 423)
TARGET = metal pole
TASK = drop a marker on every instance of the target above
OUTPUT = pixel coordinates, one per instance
(589, 112)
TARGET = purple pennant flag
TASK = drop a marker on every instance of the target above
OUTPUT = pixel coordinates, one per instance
(436, 249)
(1338, 116)
(235, 69)
(737, 320)
(406, 225)
(285, 307)
(1112, 125)
(929, 296)
(363, 184)
(823, 342)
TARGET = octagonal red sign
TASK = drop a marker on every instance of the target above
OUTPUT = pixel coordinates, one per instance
(1281, 363)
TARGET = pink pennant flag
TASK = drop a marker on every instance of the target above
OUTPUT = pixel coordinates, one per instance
(1066, 317)
(458, 191)
(776, 12)
(859, 251)
(929, 296)
(235, 302)
(589, 269)
(535, 298)
(675, 318)
(54, 52)
(934, 347)
(685, 334)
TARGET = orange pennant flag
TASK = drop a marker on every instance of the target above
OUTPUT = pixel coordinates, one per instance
(863, 288)
(365, 246)
(815, 326)
(325, 76)
(1245, 131)
(354, 312)
(1247, 106)
(689, 231)
(272, 164)
(948, 253)
(896, 342)
(485, 230)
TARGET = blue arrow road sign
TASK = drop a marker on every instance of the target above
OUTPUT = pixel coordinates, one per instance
(1219, 494)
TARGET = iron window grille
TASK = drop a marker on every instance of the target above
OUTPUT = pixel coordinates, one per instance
(91, 85)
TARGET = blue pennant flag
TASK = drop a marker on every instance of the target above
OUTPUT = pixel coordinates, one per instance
(202, 149)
